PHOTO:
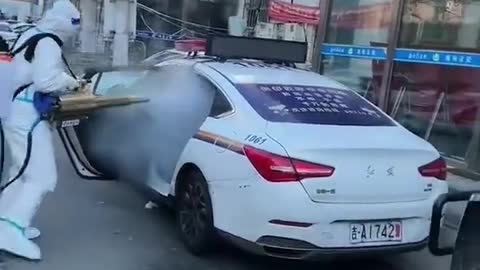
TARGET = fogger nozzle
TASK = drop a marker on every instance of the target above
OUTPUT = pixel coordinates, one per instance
(81, 103)
(92, 103)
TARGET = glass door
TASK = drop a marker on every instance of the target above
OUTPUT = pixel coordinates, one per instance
(435, 84)
(355, 47)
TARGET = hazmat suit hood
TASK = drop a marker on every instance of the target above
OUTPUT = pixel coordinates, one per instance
(63, 20)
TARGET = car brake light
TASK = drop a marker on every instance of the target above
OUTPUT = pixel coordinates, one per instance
(276, 168)
(436, 168)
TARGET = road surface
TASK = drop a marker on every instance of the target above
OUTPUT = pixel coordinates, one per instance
(104, 225)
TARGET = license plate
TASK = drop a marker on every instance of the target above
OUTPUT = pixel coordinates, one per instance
(375, 232)
(70, 123)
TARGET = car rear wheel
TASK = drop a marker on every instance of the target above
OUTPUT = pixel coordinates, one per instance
(194, 213)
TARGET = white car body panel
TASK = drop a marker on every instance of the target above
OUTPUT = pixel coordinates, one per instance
(362, 157)
(244, 202)
(7, 32)
(376, 175)
(8, 36)
(257, 203)
(22, 27)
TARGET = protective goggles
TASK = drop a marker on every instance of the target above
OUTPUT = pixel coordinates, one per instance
(76, 21)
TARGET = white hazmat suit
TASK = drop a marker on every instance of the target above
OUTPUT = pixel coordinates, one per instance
(20, 201)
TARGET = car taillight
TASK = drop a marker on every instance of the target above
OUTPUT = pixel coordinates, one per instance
(436, 168)
(275, 168)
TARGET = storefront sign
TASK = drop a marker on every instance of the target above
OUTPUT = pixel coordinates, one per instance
(404, 55)
(379, 53)
(153, 35)
(438, 57)
(286, 12)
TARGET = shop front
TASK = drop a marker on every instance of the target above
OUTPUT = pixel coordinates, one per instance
(419, 60)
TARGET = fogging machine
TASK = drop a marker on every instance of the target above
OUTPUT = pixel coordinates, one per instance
(64, 110)
(69, 108)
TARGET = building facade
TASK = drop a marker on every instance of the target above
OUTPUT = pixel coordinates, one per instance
(22, 9)
(416, 59)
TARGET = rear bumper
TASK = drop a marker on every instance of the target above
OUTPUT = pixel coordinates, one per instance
(293, 249)
(247, 209)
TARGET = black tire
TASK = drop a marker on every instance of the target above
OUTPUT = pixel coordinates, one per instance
(194, 213)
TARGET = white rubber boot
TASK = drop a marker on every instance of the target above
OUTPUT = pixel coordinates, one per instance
(13, 240)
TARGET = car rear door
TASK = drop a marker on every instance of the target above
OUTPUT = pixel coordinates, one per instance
(79, 140)
(140, 142)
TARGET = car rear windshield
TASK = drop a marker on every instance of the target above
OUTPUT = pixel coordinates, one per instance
(312, 105)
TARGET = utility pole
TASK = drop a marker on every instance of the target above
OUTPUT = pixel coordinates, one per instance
(88, 37)
(47, 4)
(120, 21)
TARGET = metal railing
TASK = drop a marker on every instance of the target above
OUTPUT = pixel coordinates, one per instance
(255, 11)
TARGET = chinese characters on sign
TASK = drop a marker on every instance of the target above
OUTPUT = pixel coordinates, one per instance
(354, 51)
(152, 35)
(404, 55)
(438, 57)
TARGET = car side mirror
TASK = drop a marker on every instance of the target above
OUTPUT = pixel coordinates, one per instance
(467, 244)
(467, 247)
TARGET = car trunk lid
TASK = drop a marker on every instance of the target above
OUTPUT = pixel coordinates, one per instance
(372, 164)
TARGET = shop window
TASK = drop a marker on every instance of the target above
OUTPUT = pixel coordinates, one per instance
(447, 24)
(435, 87)
(362, 75)
(359, 22)
(438, 103)
(356, 41)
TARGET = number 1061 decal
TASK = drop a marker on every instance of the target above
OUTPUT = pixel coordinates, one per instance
(255, 139)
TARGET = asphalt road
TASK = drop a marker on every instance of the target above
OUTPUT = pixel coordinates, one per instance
(104, 225)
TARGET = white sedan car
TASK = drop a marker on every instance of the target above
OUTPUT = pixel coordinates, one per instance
(22, 27)
(7, 33)
(288, 163)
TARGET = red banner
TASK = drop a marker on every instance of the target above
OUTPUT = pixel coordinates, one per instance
(285, 12)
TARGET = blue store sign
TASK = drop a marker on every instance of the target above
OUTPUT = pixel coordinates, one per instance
(367, 52)
(437, 57)
(153, 35)
(404, 55)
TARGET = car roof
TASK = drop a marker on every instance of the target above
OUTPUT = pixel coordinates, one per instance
(258, 72)
(174, 53)
(251, 72)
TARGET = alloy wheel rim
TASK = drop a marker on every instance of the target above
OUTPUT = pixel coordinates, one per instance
(193, 210)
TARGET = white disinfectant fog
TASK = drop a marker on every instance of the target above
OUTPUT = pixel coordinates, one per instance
(143, 142)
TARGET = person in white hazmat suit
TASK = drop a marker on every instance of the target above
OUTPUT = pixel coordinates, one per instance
(47, 73)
